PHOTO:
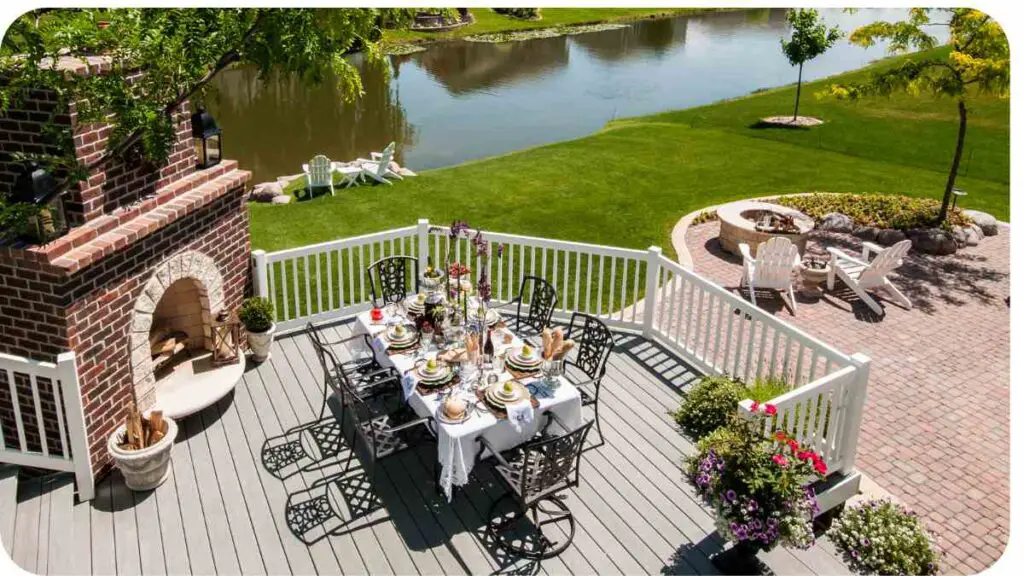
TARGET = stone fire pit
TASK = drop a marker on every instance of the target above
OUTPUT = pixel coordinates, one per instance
(739, 224)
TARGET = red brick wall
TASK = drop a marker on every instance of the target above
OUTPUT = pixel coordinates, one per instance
(114, 184)
(104, 297)
(21, 130)
(119, 182)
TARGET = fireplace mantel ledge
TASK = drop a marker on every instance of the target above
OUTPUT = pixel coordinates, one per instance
(115, 232)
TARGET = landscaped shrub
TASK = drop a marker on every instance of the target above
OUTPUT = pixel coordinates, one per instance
(521, 13)
(882, 537)
(878, 210)
(711, 403)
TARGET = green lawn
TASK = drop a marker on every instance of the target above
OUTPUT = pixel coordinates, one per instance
(628, 184)
(489, 21)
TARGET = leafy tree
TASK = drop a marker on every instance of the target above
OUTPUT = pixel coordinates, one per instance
(978, 63)
(810, 39)
(177, 52)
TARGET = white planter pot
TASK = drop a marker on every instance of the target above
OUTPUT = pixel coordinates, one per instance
(147, 468)
(260, 342)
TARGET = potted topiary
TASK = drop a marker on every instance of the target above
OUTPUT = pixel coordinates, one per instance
(257, 315)
(141, 448)
(758, 486)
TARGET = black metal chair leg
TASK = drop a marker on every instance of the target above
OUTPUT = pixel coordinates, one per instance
(547, 548)
(597, 422)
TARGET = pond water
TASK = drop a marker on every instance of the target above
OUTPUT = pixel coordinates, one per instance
(460, 100)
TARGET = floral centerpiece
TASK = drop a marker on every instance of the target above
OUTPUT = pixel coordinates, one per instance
(757, 484)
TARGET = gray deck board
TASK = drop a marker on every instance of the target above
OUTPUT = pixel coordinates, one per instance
(101, 526)
(126, 534)
(172, 535)
(222, 511)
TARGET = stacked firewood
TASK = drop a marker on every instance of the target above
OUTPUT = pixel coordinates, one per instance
(142, 432)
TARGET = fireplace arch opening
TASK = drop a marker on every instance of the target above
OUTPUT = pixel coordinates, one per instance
(171, 338)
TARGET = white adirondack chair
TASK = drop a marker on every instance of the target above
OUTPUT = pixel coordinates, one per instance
(319, 172)
(772, 269)
(864, 274)
(378, 167)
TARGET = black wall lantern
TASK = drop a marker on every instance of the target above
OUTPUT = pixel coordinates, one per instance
(36, 186)
(207, 138)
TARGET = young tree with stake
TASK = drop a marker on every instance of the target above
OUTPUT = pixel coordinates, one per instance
(810, 39)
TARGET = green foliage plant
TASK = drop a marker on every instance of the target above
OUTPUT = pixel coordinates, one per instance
(257, 314)
(878, 210)
(882, 537)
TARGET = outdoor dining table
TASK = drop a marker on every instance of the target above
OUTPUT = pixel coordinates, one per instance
(457, 445)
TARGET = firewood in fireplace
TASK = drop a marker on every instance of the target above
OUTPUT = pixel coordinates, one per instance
(168, 343)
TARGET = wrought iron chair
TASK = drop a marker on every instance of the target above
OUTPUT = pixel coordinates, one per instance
(534, 473)
(316, 445)
(594, 343)
(389, 279)
(539, 298)
(376, 433)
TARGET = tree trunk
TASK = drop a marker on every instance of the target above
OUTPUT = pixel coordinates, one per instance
(961, 134)
(799, 80)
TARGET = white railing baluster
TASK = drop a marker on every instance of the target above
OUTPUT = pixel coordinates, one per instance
(636, 288)
(17, 410)
(319, 285)
(565, 281)
(576, 282)
(590, 275)
(34, 384)
(600, 285)
(272, 292)
(622, 289)
(59, 406)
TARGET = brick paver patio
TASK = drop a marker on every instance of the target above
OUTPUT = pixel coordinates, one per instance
(936, 425)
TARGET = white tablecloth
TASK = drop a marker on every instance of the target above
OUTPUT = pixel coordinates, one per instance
(457, 444)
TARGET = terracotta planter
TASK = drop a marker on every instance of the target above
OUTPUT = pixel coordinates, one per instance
(147, 468)
(260, 342)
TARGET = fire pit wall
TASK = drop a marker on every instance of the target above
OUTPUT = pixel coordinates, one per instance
(738, 222)
(84, 291)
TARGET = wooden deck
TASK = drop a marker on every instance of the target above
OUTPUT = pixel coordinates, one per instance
(221, 511)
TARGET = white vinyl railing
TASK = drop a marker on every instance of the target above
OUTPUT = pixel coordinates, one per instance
(53, 395)
(714, 330)
(721, 333)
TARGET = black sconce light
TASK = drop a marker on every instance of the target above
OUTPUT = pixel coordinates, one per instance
(207, 138)
(36, 186)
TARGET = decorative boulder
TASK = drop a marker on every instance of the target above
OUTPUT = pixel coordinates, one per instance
(973, 235)
(988, 223)
(959, 235)
(836, 222)
(888, 237)
(282, 199)
(933, 241)
(266, 192)
(869, 233)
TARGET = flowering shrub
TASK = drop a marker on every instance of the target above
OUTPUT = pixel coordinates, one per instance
(882, 537)
(757, 484)
(878, 210)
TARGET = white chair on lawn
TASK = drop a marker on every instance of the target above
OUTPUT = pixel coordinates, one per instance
(865, 273)
(319, 173)
(378, 167)
(772, 269)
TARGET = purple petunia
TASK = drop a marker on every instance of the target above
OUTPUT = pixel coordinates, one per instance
(730, 495)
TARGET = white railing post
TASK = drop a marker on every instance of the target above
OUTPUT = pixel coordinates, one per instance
(859, 395)
(67, 373)
(259, 273)
(423, 235)
(651, 289)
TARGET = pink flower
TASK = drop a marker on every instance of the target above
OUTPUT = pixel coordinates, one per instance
(770, 409)
(780, 460)
(755, 406)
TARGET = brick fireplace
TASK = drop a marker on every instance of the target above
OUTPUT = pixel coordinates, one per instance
(155, 252)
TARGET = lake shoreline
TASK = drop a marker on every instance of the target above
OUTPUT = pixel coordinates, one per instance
(529, 28)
